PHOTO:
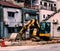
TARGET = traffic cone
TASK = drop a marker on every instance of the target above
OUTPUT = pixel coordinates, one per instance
(3, 43)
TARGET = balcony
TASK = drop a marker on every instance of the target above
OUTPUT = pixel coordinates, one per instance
(48, 8)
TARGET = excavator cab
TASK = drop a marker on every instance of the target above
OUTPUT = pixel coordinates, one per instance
(31, 24)
(45, 28)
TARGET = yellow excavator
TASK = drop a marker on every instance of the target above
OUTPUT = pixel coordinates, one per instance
(40, 30)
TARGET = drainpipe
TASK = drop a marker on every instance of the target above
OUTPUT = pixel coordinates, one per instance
(31, 3)
(2, 21)
(22, 18)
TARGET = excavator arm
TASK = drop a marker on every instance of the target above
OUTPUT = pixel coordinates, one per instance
(30, 23)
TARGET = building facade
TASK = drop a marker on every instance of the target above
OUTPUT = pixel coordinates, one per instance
(49, 12)
(13, 18)
(55, 24)
(10, 18)
(48, 7)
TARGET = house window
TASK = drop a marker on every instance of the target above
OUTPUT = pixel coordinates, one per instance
(43, 16)
(40, 3)
(11, 29)
(11, 14)
(49, 4)
(58, 28)
(45, 4)
(48, 15)
(27, 17)
(54, 4)
(52, 7)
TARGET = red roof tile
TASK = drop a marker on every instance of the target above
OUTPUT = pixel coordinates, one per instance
(8, 4)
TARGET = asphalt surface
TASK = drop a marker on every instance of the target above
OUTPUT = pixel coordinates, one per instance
(48, 47)
(51, 47)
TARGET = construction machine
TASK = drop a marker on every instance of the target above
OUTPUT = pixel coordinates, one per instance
(39, 31)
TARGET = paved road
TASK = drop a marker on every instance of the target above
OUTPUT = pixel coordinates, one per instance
(54, 47)
(50, 47)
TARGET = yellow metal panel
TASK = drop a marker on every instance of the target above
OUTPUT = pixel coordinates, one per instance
(34, 32)
(47, 35)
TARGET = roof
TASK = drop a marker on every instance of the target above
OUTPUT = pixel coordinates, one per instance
(49, 1)
(47, 18)
(31, 11)
(5, 3)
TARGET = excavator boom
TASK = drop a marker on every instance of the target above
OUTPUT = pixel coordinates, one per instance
(42, 30)
(28, 25)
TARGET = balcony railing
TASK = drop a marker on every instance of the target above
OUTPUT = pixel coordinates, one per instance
(48, 8)
(13, 24)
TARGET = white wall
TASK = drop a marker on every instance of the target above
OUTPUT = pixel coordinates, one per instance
(54, 31)
(44, 12)
(17, 17)
(58, 4)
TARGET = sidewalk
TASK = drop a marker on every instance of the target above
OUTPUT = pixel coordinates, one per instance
(16, 48)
